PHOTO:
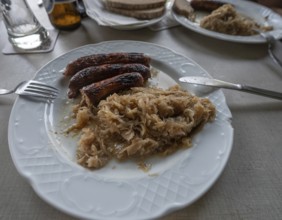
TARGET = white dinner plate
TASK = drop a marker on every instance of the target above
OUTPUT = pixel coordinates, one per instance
(259, 13)
(45, 155)
(103, 17)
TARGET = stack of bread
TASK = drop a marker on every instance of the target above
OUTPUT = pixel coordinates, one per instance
(140, 9)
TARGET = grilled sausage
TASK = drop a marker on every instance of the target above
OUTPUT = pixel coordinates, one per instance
(97, 73)
(99, 59)
(92, 94)
(206, 5)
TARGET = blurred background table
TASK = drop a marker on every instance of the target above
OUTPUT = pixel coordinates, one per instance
(249, 187)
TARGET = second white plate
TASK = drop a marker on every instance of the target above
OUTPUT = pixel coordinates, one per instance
(259, 13)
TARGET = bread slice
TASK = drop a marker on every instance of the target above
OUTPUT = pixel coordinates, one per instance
(135, 4)
(183, 7)
(139, 14)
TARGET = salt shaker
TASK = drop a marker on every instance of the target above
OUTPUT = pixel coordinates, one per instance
(23, 28)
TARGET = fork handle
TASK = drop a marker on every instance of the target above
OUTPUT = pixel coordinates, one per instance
(263, 92)
(5, 92)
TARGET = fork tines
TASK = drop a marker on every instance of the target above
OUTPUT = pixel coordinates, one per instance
(39, 89)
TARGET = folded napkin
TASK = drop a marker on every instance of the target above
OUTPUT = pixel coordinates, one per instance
(167, 22)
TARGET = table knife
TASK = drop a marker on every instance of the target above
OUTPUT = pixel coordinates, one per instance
(227, 85)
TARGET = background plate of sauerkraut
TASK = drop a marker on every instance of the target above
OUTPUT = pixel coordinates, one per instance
(45, 155)
(260, 14)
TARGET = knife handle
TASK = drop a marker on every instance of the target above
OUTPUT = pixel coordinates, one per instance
(263, 92)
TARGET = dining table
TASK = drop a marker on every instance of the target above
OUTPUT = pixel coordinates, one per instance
(249, 186)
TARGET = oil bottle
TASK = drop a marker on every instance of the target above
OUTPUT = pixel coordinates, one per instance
(63, 14)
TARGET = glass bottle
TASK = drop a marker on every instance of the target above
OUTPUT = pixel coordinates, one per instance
(63, 14)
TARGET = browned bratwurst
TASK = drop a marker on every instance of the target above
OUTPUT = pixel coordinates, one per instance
(97, 73)
(206, 5)
(94, 93)
(108, 58)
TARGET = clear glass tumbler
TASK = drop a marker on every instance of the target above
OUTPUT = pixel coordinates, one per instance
(24, 30)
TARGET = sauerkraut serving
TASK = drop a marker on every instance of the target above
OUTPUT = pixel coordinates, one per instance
(227, 20)
(139, 123)
(219, 17)
(122, 116)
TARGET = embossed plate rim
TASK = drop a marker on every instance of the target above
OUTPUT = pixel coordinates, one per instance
(57, 180)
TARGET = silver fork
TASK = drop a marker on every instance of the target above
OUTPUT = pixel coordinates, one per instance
(33, 88)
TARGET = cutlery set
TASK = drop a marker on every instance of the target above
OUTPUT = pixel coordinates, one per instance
(42, 90)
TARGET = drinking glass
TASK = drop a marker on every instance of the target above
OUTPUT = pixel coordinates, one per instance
(23, 28)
